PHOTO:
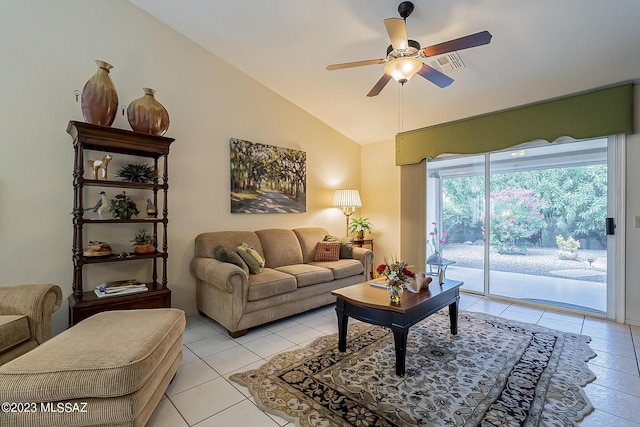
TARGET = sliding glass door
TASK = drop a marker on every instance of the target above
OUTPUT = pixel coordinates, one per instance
(527, 223)
(455, 218)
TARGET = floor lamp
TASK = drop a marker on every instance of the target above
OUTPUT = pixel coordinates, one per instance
(348, 200)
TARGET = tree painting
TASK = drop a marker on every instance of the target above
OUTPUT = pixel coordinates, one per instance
(267, 179)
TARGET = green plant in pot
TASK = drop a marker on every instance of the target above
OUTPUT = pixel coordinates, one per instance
(567, 249)
(122, 207)
(143, 242)
(359, 225)
(137, 172)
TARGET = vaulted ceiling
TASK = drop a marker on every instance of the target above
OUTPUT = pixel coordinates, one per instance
(541, 49)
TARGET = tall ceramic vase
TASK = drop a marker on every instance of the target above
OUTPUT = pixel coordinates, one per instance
(147, 115)
(99, 97)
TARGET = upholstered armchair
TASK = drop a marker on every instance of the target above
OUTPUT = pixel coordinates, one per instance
(25, 317)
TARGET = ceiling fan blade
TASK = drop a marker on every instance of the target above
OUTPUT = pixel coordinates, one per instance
(472, 40)
(397, 30)
(377, 88)
(354, 64)
(435, 76)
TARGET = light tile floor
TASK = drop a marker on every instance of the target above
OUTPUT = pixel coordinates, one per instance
(202, 395)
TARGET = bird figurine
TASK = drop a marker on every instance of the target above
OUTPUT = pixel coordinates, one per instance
(151, 209)
(101, 205)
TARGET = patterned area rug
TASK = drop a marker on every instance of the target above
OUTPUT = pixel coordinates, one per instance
(494, 372)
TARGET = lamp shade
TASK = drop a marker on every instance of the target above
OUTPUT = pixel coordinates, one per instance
(347, 199)
(402, 69)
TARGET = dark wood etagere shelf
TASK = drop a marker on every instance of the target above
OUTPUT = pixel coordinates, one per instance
(84, 303)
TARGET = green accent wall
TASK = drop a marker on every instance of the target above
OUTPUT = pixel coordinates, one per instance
(594, 114)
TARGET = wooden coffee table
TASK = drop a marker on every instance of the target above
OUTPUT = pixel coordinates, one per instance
(371, 304)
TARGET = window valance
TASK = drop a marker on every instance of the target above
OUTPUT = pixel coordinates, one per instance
(595, 114)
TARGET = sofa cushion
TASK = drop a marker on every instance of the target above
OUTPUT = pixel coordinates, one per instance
(342, 268)
(327, 251)
(205, 242)
(280, 247)
(225, 255)
(346, 245)
(109, 354)
(270, 283)
(14, 329)
(253, 259)
(306, 274)
(309, 238)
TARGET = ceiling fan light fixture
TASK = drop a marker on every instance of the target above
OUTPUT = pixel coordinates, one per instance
(402, 69)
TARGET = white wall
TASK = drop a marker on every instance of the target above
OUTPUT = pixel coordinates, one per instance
(47, 51)
(632, 237)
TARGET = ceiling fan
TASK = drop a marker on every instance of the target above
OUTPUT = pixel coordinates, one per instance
(403, 55)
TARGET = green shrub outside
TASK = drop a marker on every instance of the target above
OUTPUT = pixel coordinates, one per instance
(575, 204)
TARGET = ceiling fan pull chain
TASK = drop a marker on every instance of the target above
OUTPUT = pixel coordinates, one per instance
(401, 109)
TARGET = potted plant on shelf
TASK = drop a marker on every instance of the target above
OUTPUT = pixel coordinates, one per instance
(359, 225)
(143, 242)
(123, 207)
(137, 172)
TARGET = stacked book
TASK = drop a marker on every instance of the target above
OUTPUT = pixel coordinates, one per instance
(120, 287)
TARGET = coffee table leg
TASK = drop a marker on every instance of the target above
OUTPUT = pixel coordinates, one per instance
(453, 316)
(400, 340)
(343, 320)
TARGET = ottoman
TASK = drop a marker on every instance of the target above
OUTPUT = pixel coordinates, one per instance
(108, 370)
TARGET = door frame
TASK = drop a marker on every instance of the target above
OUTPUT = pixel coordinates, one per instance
(616, 245)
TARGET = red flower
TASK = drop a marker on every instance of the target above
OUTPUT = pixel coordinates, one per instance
(408, 272)
(381, 268)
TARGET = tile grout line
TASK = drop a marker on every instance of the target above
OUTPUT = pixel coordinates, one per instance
(635, 350)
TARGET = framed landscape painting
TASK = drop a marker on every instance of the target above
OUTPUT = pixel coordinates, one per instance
(267, 179)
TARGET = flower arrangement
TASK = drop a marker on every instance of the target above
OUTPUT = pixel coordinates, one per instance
(436, 240)
(397, 274)
(396, 271)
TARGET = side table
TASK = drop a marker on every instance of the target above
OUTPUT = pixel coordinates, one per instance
(441, 266)
(360, 242)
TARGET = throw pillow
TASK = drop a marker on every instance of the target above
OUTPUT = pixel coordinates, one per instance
(251, 257)
(223, 254)
(346, 245)
(327, 251)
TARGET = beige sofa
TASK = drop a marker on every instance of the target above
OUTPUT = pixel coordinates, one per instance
(290, 283)
(25, 317)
